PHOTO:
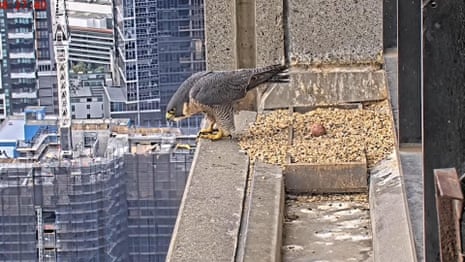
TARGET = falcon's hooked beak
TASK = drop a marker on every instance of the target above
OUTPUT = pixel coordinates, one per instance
(171, 115)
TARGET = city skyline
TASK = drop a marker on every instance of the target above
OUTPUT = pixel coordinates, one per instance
(157, 47)
(145, 49)
(101, 204)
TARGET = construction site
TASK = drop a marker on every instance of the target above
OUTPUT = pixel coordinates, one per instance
(114, 198)
(87, 190)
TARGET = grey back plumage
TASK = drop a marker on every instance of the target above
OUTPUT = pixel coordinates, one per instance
(181, 95)
(222, 87)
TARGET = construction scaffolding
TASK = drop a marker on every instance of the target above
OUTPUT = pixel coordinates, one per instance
(63, 213)
(154, 189)
(106, 204)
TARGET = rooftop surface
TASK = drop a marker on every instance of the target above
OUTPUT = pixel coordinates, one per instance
(115, 94)
(82, 91)
(12, 130)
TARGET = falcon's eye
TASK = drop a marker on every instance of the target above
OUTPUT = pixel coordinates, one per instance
(172, 111)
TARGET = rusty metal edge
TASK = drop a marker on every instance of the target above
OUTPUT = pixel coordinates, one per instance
(446, 180)
(447, 188)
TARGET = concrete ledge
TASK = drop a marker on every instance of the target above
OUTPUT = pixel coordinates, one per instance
(308, 88)
(326, 178)
(263, 235)
(392, 235)
(209, 218)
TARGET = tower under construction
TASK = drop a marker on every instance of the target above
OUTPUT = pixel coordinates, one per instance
(115, 199)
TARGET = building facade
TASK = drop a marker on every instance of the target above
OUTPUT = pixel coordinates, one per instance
(18, 60)
(90, 49)
(87, 96)
(115, 201)
(155, 185)
(46, 74)
(92, 40)
(158, 45)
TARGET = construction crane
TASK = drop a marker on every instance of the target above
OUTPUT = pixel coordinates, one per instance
(61, 38)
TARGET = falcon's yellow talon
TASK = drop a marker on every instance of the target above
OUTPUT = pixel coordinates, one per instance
(208, 130)
(213, 137)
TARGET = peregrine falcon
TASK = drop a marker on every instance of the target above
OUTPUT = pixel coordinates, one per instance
(214, 94)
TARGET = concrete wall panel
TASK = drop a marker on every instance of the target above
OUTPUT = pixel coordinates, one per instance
(220, 34)
(335, 31)
(269, 32)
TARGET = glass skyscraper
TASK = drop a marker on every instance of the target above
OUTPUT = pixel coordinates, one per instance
(158, 45)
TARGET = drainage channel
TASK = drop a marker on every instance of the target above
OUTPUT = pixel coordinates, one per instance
(327, 228)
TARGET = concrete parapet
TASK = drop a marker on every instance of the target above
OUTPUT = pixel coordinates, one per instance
(220, 34)
(243, 119)
(269, 32)
(307, 88)
(209, 219)
(249, 33)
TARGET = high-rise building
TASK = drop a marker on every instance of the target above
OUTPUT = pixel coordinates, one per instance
(116, 200)
(92, 41)
(18, 60)
(90, 49)
(45, 57)
(158, 45)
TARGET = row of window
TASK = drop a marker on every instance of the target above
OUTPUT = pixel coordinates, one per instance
(23, 60)
(43, 54)
(21, 20)
(42, 33)
(41, 14)
(121, 107)
(42, 24)
(88, 99)
(22, 30)
(44, 68)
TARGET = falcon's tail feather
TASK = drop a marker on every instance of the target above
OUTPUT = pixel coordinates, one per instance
(275, 74)
(282, 77)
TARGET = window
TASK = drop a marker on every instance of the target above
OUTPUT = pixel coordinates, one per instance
(41, 14)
